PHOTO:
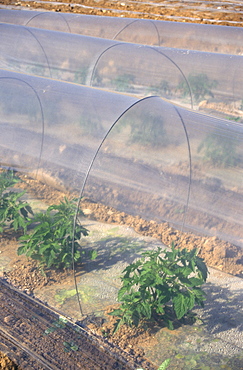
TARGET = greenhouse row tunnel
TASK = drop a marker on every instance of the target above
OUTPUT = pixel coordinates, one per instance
(221, 39)
(200, 80)
(77, 115)
(63, 127)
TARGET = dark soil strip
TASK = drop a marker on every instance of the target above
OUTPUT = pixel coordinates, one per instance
(23, 322)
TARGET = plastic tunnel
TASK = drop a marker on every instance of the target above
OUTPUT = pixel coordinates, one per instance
(221, 39)
(207, 81)
(183, 175)
(146, 157)
(56, 113)
(147, 141)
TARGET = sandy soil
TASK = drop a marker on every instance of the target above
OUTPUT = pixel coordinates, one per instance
(208, 12)
(25, 275)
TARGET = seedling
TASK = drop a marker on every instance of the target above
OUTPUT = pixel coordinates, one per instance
(91, 127)
(124, 83)
(200, 85)
(163, 366)
(7, 179)
(13, 210)
(70, 346)
(59, 324)
(80, 76)
(149, 131)
(163, 284)
(163, 88)
(236, 119)
(219, 149)
(54, 240)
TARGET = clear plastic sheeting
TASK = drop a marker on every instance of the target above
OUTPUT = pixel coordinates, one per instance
(60, 126)
(22, 124)
(49, 54)
(131, 171)
(46, 20)
(220, 39)
(207, 81)
(166, 163)
(143, 157)
(174, 173)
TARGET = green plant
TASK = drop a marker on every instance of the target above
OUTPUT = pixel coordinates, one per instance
(54, 240)
(59, 324)
(236, 119)
(91, 127)
(163, 284)
(149, 130)
(70, 346)
(241, 105)
(80, 75)
(7, 179)
(12, 210)
(219, 149)
(163, 88)
(164, 365)
(123, 83)
(200, 86)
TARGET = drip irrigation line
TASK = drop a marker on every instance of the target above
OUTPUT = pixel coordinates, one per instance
(10, 339)
(41, 312)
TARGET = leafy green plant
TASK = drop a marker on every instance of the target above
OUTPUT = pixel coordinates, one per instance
(163, 88)
(219, 149)
(70, 346)
(163, 284)
(149, 131)
(13, 210)
(236, 119)
(7, 179)
(80, 75)
(59, 324)
(123, 83)
(200, 86)
(91, 127)
(54, 240)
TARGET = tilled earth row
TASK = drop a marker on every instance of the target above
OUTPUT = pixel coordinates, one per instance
(35, 337)
(208, 12)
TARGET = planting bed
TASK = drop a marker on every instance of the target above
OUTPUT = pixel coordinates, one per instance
(24, 275)
(24, 332)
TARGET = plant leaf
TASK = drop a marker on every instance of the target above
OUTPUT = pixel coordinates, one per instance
(202, 268)
(165, 364)
(179, 306)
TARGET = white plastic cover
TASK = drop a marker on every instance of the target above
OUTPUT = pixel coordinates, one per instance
(204, 37)
(165, 162)
(208, 81)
